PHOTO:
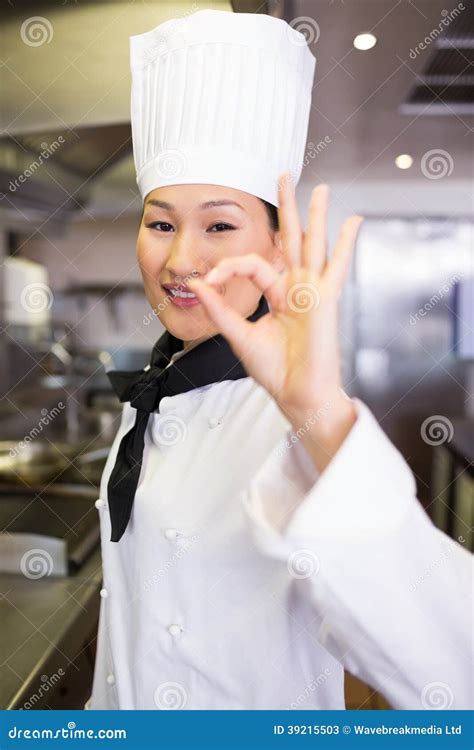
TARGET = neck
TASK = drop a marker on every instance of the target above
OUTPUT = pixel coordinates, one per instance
(187, 345)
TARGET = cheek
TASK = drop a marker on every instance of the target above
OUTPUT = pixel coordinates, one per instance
(151, 258)
(251, 239)
(241, 294)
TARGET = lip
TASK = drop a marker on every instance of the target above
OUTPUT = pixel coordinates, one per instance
(180, 301)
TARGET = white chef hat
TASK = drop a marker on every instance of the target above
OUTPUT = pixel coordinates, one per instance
(220, 98)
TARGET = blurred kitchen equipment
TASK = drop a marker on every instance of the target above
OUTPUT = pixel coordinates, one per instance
(45, 535)
(406, 271)
(103, 423)
(463, 318)
(72, 403)
(452, 483)
(90, 464)
(28, 297)
(41, 461)
(33, 462)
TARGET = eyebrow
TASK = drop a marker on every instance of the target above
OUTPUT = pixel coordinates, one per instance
(207, 204)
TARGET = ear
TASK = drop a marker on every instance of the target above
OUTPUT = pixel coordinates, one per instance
(278, 260)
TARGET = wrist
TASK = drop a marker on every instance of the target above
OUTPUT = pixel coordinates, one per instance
(319, 415)
(323, 427)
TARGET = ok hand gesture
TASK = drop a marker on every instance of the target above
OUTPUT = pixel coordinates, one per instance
(293, 351)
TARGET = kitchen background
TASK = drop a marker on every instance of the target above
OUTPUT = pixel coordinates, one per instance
(391, 131)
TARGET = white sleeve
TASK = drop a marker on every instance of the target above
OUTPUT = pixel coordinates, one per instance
(393, 591)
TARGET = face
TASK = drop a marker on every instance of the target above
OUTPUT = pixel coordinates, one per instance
(185, 231)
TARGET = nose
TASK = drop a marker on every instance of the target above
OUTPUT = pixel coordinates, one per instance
(185, 260)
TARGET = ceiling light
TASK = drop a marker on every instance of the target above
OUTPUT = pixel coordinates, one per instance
(365, 41)
(404, 161)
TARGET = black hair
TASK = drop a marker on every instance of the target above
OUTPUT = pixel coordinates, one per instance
(272, 212)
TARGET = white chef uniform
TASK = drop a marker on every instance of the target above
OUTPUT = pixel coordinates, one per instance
(245, 580)
(209, 606)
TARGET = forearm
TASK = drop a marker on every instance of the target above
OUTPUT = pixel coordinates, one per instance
(323, 428)
(370, 540)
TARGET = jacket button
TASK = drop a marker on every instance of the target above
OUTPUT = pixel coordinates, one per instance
(111, 679)
(174, 630)
(214, 422)
(171, 534)
(104, 593)
(99, 503)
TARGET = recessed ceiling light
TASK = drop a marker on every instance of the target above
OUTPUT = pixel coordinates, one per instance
(404, 161)
(365, 41)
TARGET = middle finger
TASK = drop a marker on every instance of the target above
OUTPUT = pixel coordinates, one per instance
(315, 243)
(289, 221)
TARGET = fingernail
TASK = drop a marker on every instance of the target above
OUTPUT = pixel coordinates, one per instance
(212, 276)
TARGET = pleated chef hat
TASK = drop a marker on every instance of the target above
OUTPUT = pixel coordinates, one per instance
(220, 98)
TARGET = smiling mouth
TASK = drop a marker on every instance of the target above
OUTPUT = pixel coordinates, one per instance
(180, 293)
(180, 297)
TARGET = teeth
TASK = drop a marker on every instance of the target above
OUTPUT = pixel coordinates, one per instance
(184, 295)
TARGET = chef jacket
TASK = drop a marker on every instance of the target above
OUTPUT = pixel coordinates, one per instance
(247, 580)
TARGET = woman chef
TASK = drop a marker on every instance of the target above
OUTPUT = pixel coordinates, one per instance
(260, 533)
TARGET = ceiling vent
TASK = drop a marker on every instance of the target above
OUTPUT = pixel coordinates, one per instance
(445, 85)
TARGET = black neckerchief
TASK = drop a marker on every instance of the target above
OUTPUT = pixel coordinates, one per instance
(212, 361)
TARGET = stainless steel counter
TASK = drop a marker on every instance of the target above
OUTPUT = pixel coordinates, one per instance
(49, 623)
(48, 634)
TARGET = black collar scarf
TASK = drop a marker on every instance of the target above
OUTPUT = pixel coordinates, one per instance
(210, 362)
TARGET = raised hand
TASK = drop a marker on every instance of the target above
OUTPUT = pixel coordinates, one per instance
(293, 351)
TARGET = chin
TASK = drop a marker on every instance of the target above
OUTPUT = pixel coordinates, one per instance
(187, 326)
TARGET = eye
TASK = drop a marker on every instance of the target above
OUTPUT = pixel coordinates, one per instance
(220, 227)
(162, 226)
